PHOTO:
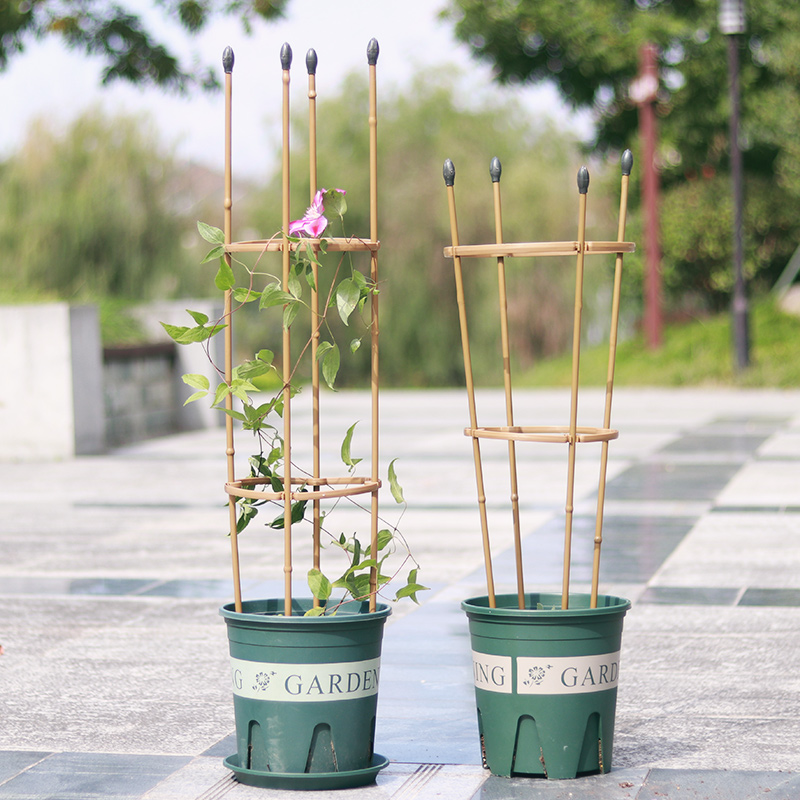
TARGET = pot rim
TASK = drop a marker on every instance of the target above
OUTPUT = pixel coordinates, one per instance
(507, 606)
(344, 616)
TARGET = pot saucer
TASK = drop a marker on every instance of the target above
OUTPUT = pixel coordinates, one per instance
(307, 781)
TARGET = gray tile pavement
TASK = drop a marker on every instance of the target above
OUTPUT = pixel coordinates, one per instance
(114, 675)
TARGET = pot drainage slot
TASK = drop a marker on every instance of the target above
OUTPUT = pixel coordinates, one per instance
(322, 754)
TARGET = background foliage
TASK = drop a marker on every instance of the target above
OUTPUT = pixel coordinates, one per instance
(591, 55)
(112, 32)
(418, 128)
(89, 213)
(103, 211)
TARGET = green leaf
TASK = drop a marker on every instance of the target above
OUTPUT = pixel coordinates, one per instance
(346, 582)
(315, 612)
(246, 513)
(355, 571)
(330, 365)
(196, 396)
(310, 253)
(362, 585)
(196, 381)
(334, 202)
(382, 580)
(258, 466)
(214, 252)
(175, 332)
(310, 278)
(323, 348)
(411, 588)
(289, 313)
(320, 586)
(252, 369)
(344, 543)
(384, 537)
(273, 295)
(297, 514)
(354, 345)
(348, 439)
(197, 316)
(357, 585)
(245, 295)
(294, 285)
(265, 355)
(347, 296)
(184, 335)
(210, 233)
(223, 390)
(240, 387)
(224, 279)
(397, 490)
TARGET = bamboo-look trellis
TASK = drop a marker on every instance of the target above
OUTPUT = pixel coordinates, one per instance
(571, 434)
(322, 488)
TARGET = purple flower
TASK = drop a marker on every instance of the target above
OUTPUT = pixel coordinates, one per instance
(313, 222)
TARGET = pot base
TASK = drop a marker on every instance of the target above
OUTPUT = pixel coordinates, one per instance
(307, 781)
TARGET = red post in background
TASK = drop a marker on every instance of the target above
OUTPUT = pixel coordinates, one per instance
(643, 91)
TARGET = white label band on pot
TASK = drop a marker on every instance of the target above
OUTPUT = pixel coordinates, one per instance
(295, 683)
(492, 673)
(542, 675)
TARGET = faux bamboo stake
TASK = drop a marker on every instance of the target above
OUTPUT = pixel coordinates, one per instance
(227, 64)
(627, 165)
(449, 173)
(495, 170)
(372, 59)
(286, 63)
(583, 188)
(311, 65)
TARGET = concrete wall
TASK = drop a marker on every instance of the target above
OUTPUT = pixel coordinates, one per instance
(51, 397)
(141, 397)
(59, 398)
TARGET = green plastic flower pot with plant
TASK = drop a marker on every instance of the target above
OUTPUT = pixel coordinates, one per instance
(305, 671)
(305, 693)
(545, 666)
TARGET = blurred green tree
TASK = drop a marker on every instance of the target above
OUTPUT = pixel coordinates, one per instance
(117, 36)
(88, 214)
(418, 128)
(591, 55)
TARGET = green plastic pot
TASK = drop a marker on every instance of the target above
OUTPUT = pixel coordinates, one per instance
(305, 693)
(546, 682)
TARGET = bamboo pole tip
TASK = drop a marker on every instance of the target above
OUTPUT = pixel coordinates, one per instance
(495, 169)
(311, 62)
(449, 172)
(373, 50)
(227, 60)
(627, 162)
(286, 55)
(583, 180)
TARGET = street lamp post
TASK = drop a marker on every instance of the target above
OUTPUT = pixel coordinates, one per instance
(732, 24)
